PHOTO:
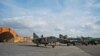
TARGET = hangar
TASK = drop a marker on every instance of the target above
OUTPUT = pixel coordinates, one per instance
(8, 35)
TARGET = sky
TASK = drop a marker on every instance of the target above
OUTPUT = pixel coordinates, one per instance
(51, 17)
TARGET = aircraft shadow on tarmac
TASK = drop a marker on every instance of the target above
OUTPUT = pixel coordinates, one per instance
(27, 45)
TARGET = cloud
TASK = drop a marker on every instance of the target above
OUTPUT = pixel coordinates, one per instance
(93, 4)
(24, 23)
(97, 5)
(59, 28)
(74, 32)
(92, 26)
(97, 22)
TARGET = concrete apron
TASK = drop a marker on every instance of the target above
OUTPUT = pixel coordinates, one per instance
(70, 51)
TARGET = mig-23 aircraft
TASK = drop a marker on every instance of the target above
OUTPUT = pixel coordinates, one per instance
(51, 40)
(64, 40)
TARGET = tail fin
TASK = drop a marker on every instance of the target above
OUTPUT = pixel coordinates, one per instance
(42, 36)
(60, 36)
(35, 36)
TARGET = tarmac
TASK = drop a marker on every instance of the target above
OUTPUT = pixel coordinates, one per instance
(29, 49)
(94, 50)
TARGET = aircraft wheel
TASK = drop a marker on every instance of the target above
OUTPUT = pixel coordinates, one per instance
(37, 45)
(68, 44)
(53, 46)
(45, 44)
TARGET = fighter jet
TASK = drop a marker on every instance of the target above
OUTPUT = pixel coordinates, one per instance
(51, 40)
(88, 40)
(65, 40)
